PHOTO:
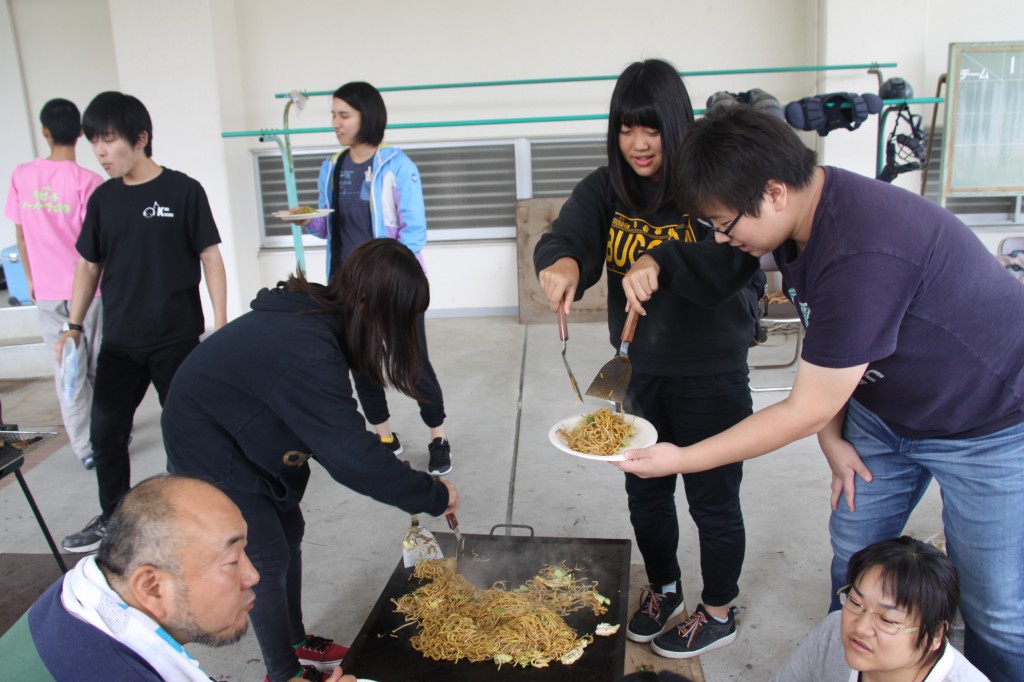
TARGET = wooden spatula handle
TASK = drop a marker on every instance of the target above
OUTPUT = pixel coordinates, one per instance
(563, 324)
(630, 326)
(453, 522)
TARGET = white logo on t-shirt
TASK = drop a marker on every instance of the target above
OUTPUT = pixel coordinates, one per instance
(157, 211)
(870, 377)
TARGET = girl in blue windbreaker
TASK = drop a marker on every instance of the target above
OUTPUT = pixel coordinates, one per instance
(375, 191)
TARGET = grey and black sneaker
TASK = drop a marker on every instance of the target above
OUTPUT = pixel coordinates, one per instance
(655, 612)
(440, 457)
(696, 635)
(394, 446)
(88, 539)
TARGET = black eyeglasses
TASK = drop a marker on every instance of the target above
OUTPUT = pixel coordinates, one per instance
(707, 224)
(883, 624)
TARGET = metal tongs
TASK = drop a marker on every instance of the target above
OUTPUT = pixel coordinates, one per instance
(563, 334)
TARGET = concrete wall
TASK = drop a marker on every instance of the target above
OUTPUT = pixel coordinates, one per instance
(208, 66)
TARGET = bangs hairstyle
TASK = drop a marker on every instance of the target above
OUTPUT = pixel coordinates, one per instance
(729, 156)
(921, 580)
(61, 118)
(648, 94)
(379, 293)
(373, 115)
(120, 114)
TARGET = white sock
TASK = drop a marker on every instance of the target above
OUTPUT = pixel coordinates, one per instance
(668, 589)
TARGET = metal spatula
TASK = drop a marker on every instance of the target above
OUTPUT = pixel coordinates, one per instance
(460, 545)
(563, 334)
(419, 544)
(612, 380)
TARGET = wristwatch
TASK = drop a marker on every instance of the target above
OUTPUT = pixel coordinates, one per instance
(72, 327)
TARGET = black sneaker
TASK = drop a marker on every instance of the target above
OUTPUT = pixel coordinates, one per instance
(695, 635)
(655, 612)
(308, 672)
(88, 539)
(440, 457)
(394, 446)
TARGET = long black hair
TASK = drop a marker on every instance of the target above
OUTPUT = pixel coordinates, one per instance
(379, 293)
(650, 94)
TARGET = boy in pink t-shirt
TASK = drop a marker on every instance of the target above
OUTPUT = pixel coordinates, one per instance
(46, 202)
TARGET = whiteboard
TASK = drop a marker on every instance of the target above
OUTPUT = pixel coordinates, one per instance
(983, 149)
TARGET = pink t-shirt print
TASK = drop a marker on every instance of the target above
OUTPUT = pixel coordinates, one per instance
(48, 198)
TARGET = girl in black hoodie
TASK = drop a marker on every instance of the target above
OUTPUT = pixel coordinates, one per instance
(689, 354)
(255, 401)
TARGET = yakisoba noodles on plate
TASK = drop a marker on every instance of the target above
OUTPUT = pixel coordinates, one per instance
(599, 433)
(522, 627)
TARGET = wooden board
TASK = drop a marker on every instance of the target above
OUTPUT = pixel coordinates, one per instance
(533, 218)
(640, 656)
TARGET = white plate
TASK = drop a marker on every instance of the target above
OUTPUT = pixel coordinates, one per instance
(645, 436)
(296, 217)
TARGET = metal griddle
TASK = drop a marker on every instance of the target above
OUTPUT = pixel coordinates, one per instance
(379, 655)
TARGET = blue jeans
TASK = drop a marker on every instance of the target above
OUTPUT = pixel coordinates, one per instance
(982, 485)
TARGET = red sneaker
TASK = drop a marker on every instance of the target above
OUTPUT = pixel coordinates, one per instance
(321, 653)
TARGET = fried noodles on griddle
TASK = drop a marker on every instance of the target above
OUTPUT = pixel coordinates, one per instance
(523, 627)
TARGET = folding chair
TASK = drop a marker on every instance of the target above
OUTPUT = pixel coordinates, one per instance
(14, 445)
(1009, 245)
(778, 319)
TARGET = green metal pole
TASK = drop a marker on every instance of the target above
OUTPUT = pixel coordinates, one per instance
(291, 191)
(586, 79)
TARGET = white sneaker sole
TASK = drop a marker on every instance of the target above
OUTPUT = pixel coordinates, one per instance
(643, 639)
(84, 549)
(717, 644)
(323, 666)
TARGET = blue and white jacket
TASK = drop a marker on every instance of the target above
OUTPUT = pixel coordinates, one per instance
(396, 200)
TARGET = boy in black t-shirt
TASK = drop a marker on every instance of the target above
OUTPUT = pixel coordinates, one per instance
(147, 230)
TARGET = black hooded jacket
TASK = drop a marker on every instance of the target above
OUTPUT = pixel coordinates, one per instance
(704, 315)
(251, 403)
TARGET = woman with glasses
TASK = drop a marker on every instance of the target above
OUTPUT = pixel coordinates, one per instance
(689, 353)
(898, 610)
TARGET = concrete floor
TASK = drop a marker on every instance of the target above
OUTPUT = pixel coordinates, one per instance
(504, 386)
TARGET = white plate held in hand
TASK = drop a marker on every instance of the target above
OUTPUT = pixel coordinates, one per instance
(296, 217)
(645, 435)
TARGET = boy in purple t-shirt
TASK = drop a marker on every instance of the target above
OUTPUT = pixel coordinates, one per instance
(911, 366)
(46, 203)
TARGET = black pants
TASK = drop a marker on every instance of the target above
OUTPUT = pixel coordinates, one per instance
(375, 404)
(122, 378)
(275, 548)
(686, 410)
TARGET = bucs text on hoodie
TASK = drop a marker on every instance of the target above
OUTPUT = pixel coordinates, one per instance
(703, 317)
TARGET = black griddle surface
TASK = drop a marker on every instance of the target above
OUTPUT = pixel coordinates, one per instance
(378, 653)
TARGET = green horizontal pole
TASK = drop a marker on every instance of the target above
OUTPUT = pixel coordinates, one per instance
(506, 121)
(428, 124)
(585, 79)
